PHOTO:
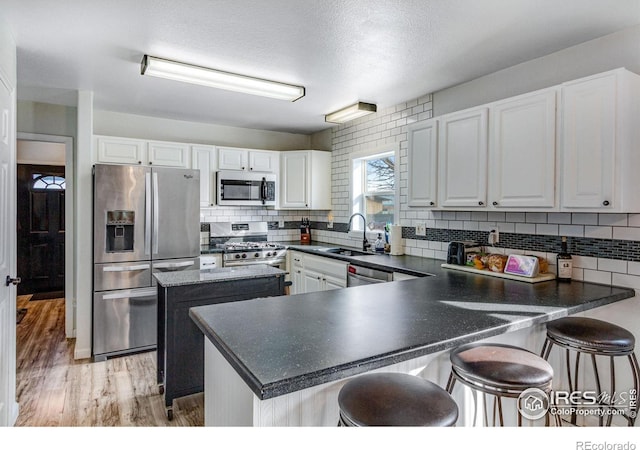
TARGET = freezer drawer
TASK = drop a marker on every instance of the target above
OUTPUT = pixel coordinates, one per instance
(124, 321)
(174, 265)
(129, 275)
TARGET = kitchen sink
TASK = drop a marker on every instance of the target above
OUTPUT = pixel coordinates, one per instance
(346, 251)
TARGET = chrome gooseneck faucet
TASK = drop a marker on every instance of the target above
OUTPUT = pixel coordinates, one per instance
(365, 243)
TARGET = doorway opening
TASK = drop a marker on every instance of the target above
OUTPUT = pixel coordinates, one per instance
(45, 221)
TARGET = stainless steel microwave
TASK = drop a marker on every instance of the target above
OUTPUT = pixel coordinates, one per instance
(246, 188)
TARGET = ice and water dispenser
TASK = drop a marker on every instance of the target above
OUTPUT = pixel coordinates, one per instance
(120, 231)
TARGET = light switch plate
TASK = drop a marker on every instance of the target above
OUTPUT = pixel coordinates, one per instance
(281, 224)
(330, 225)
(421, 229)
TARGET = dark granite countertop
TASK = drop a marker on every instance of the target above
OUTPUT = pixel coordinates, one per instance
(283, 344)
(184, 277)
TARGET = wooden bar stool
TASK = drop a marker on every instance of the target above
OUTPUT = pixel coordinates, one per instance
(596, 338)
(501, 371)
(395, 399)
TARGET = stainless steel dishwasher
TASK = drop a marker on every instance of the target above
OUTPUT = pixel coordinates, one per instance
(359, 275)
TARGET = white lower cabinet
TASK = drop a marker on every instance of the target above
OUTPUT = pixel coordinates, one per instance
(310, 273)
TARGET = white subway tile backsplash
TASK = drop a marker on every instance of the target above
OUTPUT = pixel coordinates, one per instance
(633, 268)
(471, 226)
(594, 276)
(627, 234)
(598, 232)
(612, 265)
(479, 216)
(618, 220)
(495, 216)
(525, 228)
(585, 262)
(548, 229)
(630, 281)
(571, 230)
(577, 274)
(563, 218)
(536, 217)
(634, 220)
(515, 217)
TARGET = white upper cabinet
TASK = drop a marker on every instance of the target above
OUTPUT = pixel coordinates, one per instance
(230, 158)
(169, 154)
(600, 143)
(120, 150)
(203, 158)
(116, 150)
(264, 161)
(462, 156)
(423, 163)
(305, 180)
(522, 151)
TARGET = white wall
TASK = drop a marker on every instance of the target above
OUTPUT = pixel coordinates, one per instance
(621, 49)
(36, 152)
(111, 123)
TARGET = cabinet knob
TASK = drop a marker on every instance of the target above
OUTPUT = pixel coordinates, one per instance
(250, 168)
(243, 168)
(432, 203)
(605, 203)
(139, 162)
(150, 162)
(495, 203)
(319, 278)
(481, 203)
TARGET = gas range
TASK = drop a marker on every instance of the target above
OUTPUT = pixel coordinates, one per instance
(244, 253)
(245, 243)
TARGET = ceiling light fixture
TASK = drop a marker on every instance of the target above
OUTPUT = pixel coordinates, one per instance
(351, 112)
(172, 70)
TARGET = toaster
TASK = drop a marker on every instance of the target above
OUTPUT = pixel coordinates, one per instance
(457, 252)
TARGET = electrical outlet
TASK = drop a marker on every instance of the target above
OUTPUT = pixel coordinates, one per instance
(281, 224)
(421, 229)
(330, 225)
(494, 236)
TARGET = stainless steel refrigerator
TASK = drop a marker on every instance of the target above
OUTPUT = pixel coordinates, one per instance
(146, 220)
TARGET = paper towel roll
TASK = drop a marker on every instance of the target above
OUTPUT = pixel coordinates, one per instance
(395, 239)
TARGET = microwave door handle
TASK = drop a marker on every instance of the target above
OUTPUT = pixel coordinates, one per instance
(156, 213)
(147, 213)
(263, 190)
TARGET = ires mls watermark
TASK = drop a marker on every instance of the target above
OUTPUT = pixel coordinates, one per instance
(534, 403)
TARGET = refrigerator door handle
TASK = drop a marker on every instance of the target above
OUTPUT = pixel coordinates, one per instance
(147, 214)
(173, 265)
(130, 294)
(156, 208)
(126, 268)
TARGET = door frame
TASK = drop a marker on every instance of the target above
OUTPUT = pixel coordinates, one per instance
(69, 212)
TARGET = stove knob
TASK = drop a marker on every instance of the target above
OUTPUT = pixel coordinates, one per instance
(237, 255)
(244, 255)
(268, 254)
(256, 255)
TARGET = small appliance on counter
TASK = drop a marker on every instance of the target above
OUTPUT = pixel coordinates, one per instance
(457, 252)
(305, 231)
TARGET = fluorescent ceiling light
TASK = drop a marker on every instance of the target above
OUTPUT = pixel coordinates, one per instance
(172, 70)
(350, 112)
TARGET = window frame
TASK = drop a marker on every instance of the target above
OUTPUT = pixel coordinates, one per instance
(356, 192)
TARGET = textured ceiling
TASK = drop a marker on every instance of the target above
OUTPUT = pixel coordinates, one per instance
(342, 51)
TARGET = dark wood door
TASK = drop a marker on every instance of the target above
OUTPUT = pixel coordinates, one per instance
(40, 192)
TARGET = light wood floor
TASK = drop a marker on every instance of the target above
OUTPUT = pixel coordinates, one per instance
(53, 389)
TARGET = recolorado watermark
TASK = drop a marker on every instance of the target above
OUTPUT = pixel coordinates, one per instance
(534, 403)
(590, 445)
